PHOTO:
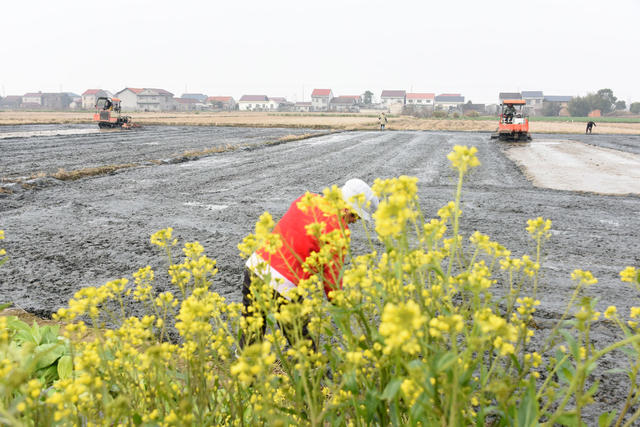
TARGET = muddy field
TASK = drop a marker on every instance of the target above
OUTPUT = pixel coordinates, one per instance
(65, 235)
(366, 120)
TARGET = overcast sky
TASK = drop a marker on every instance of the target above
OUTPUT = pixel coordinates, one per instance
(288, 47)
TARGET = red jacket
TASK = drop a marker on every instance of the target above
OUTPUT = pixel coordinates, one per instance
(298, 245)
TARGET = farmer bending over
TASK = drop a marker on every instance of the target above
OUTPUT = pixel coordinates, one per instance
(286, 265)
(590, 125)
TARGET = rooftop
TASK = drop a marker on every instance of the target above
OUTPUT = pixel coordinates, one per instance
(321, 92)
(254, 98)
(393, 94)
(421, 95)
(532, 94)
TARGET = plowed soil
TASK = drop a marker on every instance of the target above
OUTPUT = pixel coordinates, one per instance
(63, 235)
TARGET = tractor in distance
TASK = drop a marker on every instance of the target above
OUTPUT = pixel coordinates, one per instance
(108, 114)
(514, 123)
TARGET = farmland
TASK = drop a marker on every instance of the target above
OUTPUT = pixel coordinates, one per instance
(65, 234)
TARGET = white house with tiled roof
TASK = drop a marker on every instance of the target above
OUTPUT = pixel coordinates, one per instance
(390, 97)
(421, 99)
(345, 103)
(90, 96)
(449, 102)
(253, 103)
(534, 100)
(320, 99)
(32, 98)
(222, 102)
(146, 99)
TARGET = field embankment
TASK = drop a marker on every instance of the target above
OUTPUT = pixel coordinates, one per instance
(319, 121)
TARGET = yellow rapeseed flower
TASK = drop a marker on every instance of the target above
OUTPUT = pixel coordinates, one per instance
(463, 158)
(583, 277)
(630, 274)
(400, 326)
(162, 238)
(539, 227)
(610, 311)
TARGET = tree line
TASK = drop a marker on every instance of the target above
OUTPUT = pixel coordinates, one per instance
(603, 100)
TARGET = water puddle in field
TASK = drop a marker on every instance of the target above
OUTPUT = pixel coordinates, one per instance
(53, 132)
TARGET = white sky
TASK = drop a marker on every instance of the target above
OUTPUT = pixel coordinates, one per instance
(288, 47)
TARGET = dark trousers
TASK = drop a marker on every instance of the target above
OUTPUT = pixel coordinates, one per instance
(247, 300)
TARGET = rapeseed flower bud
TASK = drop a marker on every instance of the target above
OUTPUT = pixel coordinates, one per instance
(400, 326)
(162, 238)
(462, 158)
(583, 277)
(630, 274)
(610, 312)
(539, 228)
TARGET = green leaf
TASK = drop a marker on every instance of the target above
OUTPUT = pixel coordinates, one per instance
(391, 389)
(572, 343)
(47, 354)
(606, 419)
(629, 351)
(6, 305)
(615, 371)
(49, 334)
(65, 367)
(528, 408)
(445, 361)
(137, 419)
(570, 420)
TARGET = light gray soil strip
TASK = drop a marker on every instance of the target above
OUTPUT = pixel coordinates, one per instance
(575, 166)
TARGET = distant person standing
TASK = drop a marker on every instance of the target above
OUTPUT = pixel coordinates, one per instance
(590, 125)
(382, 119)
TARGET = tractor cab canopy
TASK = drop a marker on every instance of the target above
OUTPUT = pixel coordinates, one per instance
(106, 103)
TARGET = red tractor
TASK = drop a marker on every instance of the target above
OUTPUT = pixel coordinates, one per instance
(514, 123)
(108, 114)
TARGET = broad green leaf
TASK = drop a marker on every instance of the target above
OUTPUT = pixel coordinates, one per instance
(391, 389)
(607, 418)
(569, 420)
(47, 354)
(528, 408)
(65, 367)
(445, 361)
(49, 334)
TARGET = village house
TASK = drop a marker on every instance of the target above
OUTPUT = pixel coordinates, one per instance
(253, 103)
(11, 102)
(222, 102)
(390, 97)
(449, 102)
(186, 104)
(303, 107)
(421, 100)
(534, 100)
(200, 97)
(55, 101)
(277, 102)
(75, 100)
(470, 109)
(320, 99)
(561, 103)
(32, 99)
(345, 103)
(90, 96)
(146, 99)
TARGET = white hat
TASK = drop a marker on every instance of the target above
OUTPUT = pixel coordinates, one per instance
(356, 186)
